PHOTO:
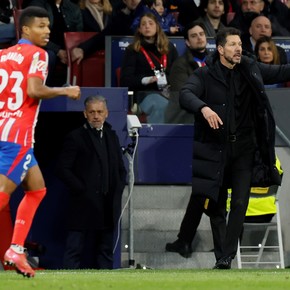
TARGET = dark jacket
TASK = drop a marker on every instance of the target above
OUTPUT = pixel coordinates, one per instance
(90, 23)
(120, 24)
(276, 11)
(182, 68)
(5, 11)
(80, 168)
(135, 67)
(209, 30)
(207, 87)
(71, 15)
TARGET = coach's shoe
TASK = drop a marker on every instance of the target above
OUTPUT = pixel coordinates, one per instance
(183, 248)
(224, 263)
(19, 261)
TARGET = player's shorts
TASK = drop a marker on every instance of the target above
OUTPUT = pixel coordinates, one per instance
(15, 160)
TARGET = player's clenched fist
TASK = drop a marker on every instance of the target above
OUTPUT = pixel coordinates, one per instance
(73, 92)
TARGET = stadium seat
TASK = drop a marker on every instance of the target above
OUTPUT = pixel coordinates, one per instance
(17, 4)
(91, 71)
(16, 14)
(264, 249)
(230, 16)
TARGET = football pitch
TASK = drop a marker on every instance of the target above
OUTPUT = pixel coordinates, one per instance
(148, 280)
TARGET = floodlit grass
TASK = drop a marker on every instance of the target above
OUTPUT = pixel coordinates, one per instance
(149, 280)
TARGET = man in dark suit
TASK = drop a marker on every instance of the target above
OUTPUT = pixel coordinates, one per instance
(91, 166)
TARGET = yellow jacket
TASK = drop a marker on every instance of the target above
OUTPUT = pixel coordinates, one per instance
(258, 203)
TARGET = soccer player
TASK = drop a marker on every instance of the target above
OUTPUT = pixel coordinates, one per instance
(23, 70)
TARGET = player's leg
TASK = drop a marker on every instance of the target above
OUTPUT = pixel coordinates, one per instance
(8, 154)
(35, 191)
(6, 188)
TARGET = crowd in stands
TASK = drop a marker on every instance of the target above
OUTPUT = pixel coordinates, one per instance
(255, 19)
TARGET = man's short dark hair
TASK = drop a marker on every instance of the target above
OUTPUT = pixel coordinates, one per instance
(29, 13)
(190, 26)
(222, 34)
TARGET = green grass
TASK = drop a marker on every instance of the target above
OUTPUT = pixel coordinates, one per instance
(149, 279)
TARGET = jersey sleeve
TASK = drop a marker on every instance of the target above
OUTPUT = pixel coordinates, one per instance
(39, 65)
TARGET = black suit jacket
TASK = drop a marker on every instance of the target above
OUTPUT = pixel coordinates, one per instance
(80, 168)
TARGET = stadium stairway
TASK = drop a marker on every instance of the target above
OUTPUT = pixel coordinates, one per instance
(157, 213)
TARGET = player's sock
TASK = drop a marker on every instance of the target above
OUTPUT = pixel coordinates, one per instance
(25, 213)
(18, 249)
(4, 200)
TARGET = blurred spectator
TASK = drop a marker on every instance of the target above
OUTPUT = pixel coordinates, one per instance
(261, 26)
(188, 11)
(166, 19)
(248, 10)
(120, 25)
(182, 68)
(64, 16)
(7, 28)
(266, 51)
(146, 66)
(275, 10)
(96, 14)
(213, 15)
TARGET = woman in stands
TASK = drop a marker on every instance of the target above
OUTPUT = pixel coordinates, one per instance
(146, 67)
(96, 14)
(266, 51)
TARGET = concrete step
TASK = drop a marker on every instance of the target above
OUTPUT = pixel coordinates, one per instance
(160, 220)
(157, 212)
(159, 196)
(171, 260)
(198, 260)
(155, 241)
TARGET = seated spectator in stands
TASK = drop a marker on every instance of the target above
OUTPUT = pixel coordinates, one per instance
(146, 66)
(7, 28)
(275, 10)
(261, 26)
(266, 51)
(166, 20)
(120, 25)
(63, 16)
(96, 14)
(248, 10)
(213, 15)
(188, 11)
(182, 68)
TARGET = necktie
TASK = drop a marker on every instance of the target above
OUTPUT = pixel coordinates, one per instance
(100, 133)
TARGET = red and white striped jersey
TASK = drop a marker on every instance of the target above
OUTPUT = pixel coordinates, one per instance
(18, 111)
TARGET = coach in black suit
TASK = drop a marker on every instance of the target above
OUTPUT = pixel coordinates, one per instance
(91, 166)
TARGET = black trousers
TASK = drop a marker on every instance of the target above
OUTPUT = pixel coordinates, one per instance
(237, 175)
(192, 217)
(89, 249)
